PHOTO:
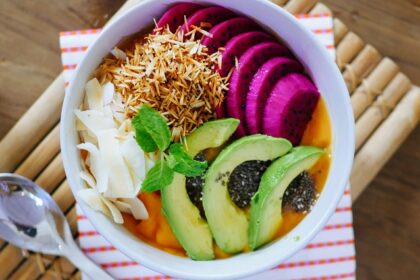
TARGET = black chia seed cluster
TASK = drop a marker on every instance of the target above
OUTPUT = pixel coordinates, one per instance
(300, 195)
(244, 181)
(194, 187)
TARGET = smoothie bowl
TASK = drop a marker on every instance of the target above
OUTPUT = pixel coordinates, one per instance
(207, 140)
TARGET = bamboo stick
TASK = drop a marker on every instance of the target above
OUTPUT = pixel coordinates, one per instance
(376, 113)
(52, 175)
(54, 267)
(60, 266)
(64, 197)
(373, 86)
(33, 126)
(299, 6)
(41, 155)
(320, 8)
(361, 66)
(279, 2)
(385, 141)
(340, 30)
(348, 48)
(77, 276)
(10, 256)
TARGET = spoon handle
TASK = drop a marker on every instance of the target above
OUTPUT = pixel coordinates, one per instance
(86, 265)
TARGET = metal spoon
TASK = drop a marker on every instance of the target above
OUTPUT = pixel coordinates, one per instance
(30, 219)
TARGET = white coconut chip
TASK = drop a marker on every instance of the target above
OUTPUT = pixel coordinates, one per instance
(108, 112)
(137, 207)
(135, 160)
(87, 136)
(116, 214)
(118, 108)
(90, 181)
(94, 95)
(95, 121)
(108, 91)
(119, 54)
(133, 206)
(97, 166)
(94, 200)
(120, 183)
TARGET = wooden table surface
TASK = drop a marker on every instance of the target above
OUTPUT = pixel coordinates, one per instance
(386, 216)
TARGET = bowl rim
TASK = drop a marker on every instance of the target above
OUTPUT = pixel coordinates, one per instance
(114, 234)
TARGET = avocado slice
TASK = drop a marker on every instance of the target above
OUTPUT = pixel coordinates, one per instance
(183, 216)
(266, 204)
(229, 223)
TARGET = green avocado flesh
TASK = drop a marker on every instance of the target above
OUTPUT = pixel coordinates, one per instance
(227, 222)
(185, 220)
(210, 135)
(266, 204)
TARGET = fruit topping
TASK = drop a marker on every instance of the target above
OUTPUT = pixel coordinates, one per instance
(175, 16)
(223, 32)
(262, 84)
(289, 107)
(249, 64)
(207, 18)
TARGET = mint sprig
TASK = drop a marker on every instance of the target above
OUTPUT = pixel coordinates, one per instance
(180, 161)
(152, 130)
(152, 134)
(158, 176)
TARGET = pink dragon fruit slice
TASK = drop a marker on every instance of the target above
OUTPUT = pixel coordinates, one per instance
(289, 107)
(261, 86)
(174, 17)
(223, 32)
(249, 63)
(212, 15)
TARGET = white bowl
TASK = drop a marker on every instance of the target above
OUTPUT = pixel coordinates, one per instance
(323, 71)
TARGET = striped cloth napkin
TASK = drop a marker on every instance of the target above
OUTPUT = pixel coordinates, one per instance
(330, 255)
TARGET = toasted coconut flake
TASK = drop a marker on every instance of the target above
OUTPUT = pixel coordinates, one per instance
(119, 54)
(172, 73)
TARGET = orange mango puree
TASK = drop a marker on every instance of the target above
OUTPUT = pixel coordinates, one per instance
(157, 232)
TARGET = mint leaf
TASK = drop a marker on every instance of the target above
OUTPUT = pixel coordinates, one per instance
(180, 161)
(143, 139)
(158, 177)
(152, 130)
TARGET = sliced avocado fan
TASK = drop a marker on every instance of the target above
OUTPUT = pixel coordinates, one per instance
(227, 222)
(184, 218)
(266, 204)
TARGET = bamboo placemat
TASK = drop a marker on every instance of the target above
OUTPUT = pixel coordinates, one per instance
(385, 103)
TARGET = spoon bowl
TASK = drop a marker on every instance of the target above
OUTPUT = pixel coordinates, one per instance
(30, 219)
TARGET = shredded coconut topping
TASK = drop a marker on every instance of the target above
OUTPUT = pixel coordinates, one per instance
(171, 72)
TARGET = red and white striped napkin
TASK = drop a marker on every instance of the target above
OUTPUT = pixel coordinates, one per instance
(330, 255)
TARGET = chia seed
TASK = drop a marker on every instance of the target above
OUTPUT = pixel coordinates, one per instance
(194, 186)
(244, 181)
(300, 194)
